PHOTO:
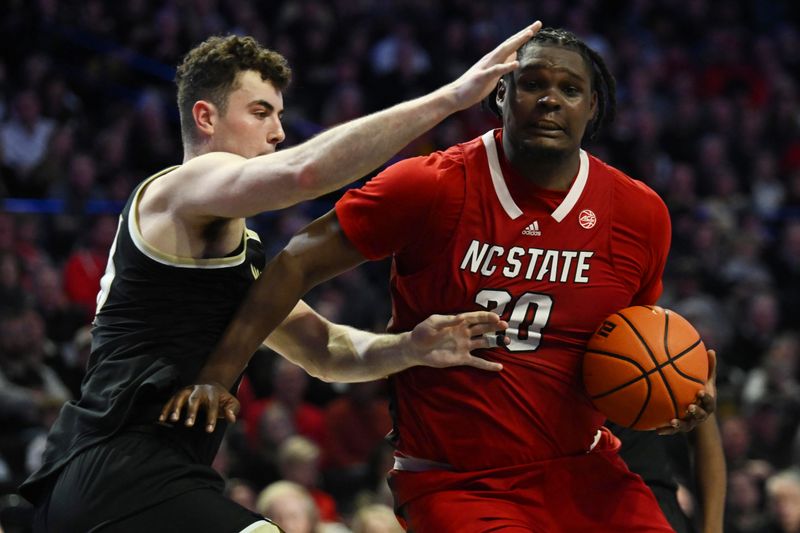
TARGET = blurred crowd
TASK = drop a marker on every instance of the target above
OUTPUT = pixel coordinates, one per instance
(708, 115)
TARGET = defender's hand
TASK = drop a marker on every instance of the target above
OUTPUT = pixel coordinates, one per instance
(480, 80)
(703, 406)
(213, 397)
(445, 340)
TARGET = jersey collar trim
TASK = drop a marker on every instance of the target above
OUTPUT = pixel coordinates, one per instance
(504, 195)
(173, 260)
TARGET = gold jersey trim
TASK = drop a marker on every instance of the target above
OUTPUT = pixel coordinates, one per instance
(174, 260)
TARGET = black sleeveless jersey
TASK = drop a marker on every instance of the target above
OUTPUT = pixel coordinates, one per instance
(158, 317)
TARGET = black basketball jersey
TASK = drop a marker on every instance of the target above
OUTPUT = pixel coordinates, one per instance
(158, 317)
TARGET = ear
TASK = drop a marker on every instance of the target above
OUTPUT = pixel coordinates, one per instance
(500, 96)
(205, 117)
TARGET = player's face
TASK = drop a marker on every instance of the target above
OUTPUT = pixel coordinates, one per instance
(251, 124)
(550, 102)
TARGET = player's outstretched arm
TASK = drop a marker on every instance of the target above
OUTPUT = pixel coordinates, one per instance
(229, 186)
(333, 352)
(329, 351)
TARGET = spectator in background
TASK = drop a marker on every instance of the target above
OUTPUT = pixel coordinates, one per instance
(30, 390)
(85, 266)
(289, 384)
(376, 518)
(299, 461)
(356, 422)
(241, 491)
(62, 317)
(745, 505)
(23, 141)
(13, 295)
(783, 493)
(290, 506)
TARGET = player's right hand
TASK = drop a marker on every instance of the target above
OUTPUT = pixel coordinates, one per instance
(480, 80)
(217, 401)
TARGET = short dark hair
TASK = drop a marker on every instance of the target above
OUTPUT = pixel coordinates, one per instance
(209, 70)
(602, 80)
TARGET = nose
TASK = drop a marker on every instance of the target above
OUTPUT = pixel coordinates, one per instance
(548, 99)
(276, 134)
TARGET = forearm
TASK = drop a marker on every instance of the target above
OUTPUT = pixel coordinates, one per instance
(338, 156)
(268, 302)
(355, 355)
(710, 474)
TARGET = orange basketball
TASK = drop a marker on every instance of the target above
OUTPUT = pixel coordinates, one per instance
(644, 366)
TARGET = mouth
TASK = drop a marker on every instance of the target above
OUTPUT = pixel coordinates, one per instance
(546, 125)
(545, 128)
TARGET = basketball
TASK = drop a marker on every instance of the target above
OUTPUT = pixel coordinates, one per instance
(644, 366)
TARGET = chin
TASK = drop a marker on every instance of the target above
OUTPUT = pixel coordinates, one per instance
(545, 149)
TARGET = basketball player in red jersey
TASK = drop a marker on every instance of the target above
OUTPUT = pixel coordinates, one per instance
(523, 222)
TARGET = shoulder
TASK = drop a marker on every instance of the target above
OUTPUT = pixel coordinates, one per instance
(440, 165)
(635, 203)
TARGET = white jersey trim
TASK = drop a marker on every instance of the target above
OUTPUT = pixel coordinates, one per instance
(575, 191)
(500, 188)
(504, 195)
(414, 464)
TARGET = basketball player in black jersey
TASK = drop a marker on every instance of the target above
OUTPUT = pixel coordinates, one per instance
(699, 458)
(179, 266)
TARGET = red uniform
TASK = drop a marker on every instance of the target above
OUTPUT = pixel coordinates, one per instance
(467, 233)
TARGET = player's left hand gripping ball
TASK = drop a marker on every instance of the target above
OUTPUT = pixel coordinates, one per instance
(704, 405)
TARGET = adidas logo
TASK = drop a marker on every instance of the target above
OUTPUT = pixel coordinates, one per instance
(532, 229)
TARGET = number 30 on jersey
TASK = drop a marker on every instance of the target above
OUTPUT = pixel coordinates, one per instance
(528, 316)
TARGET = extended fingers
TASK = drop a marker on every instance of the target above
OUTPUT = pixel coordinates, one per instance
(486, 327)
(211, 413)
(712, 364)
(174, 406)
(231, 412)
(483, 364)
(515, 41)
(706, 402)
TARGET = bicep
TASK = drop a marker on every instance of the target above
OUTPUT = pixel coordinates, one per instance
(322, 251)
(226, 185)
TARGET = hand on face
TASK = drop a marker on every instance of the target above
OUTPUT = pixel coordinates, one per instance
(480, 80)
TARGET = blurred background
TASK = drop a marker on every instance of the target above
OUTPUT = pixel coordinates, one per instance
(708, 116)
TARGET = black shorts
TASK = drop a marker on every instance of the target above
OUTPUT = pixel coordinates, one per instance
(668, 501)
(138, 481)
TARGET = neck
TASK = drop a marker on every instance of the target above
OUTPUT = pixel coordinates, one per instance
(548, 169)
(192, 150)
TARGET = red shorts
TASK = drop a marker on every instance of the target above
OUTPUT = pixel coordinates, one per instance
(592, 492)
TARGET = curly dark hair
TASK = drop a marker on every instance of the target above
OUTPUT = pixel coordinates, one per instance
(208, 72)
(602, 80)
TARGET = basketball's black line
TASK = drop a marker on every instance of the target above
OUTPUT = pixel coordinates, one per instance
(655, 361)
(644, 374)
(644, 406)
(671, 362)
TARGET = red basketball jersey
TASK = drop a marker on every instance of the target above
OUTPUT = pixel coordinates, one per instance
(467, 233)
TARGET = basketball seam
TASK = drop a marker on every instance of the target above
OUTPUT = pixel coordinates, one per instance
(671, 362)
(653, 358)
(666, 352)
(644, 373)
